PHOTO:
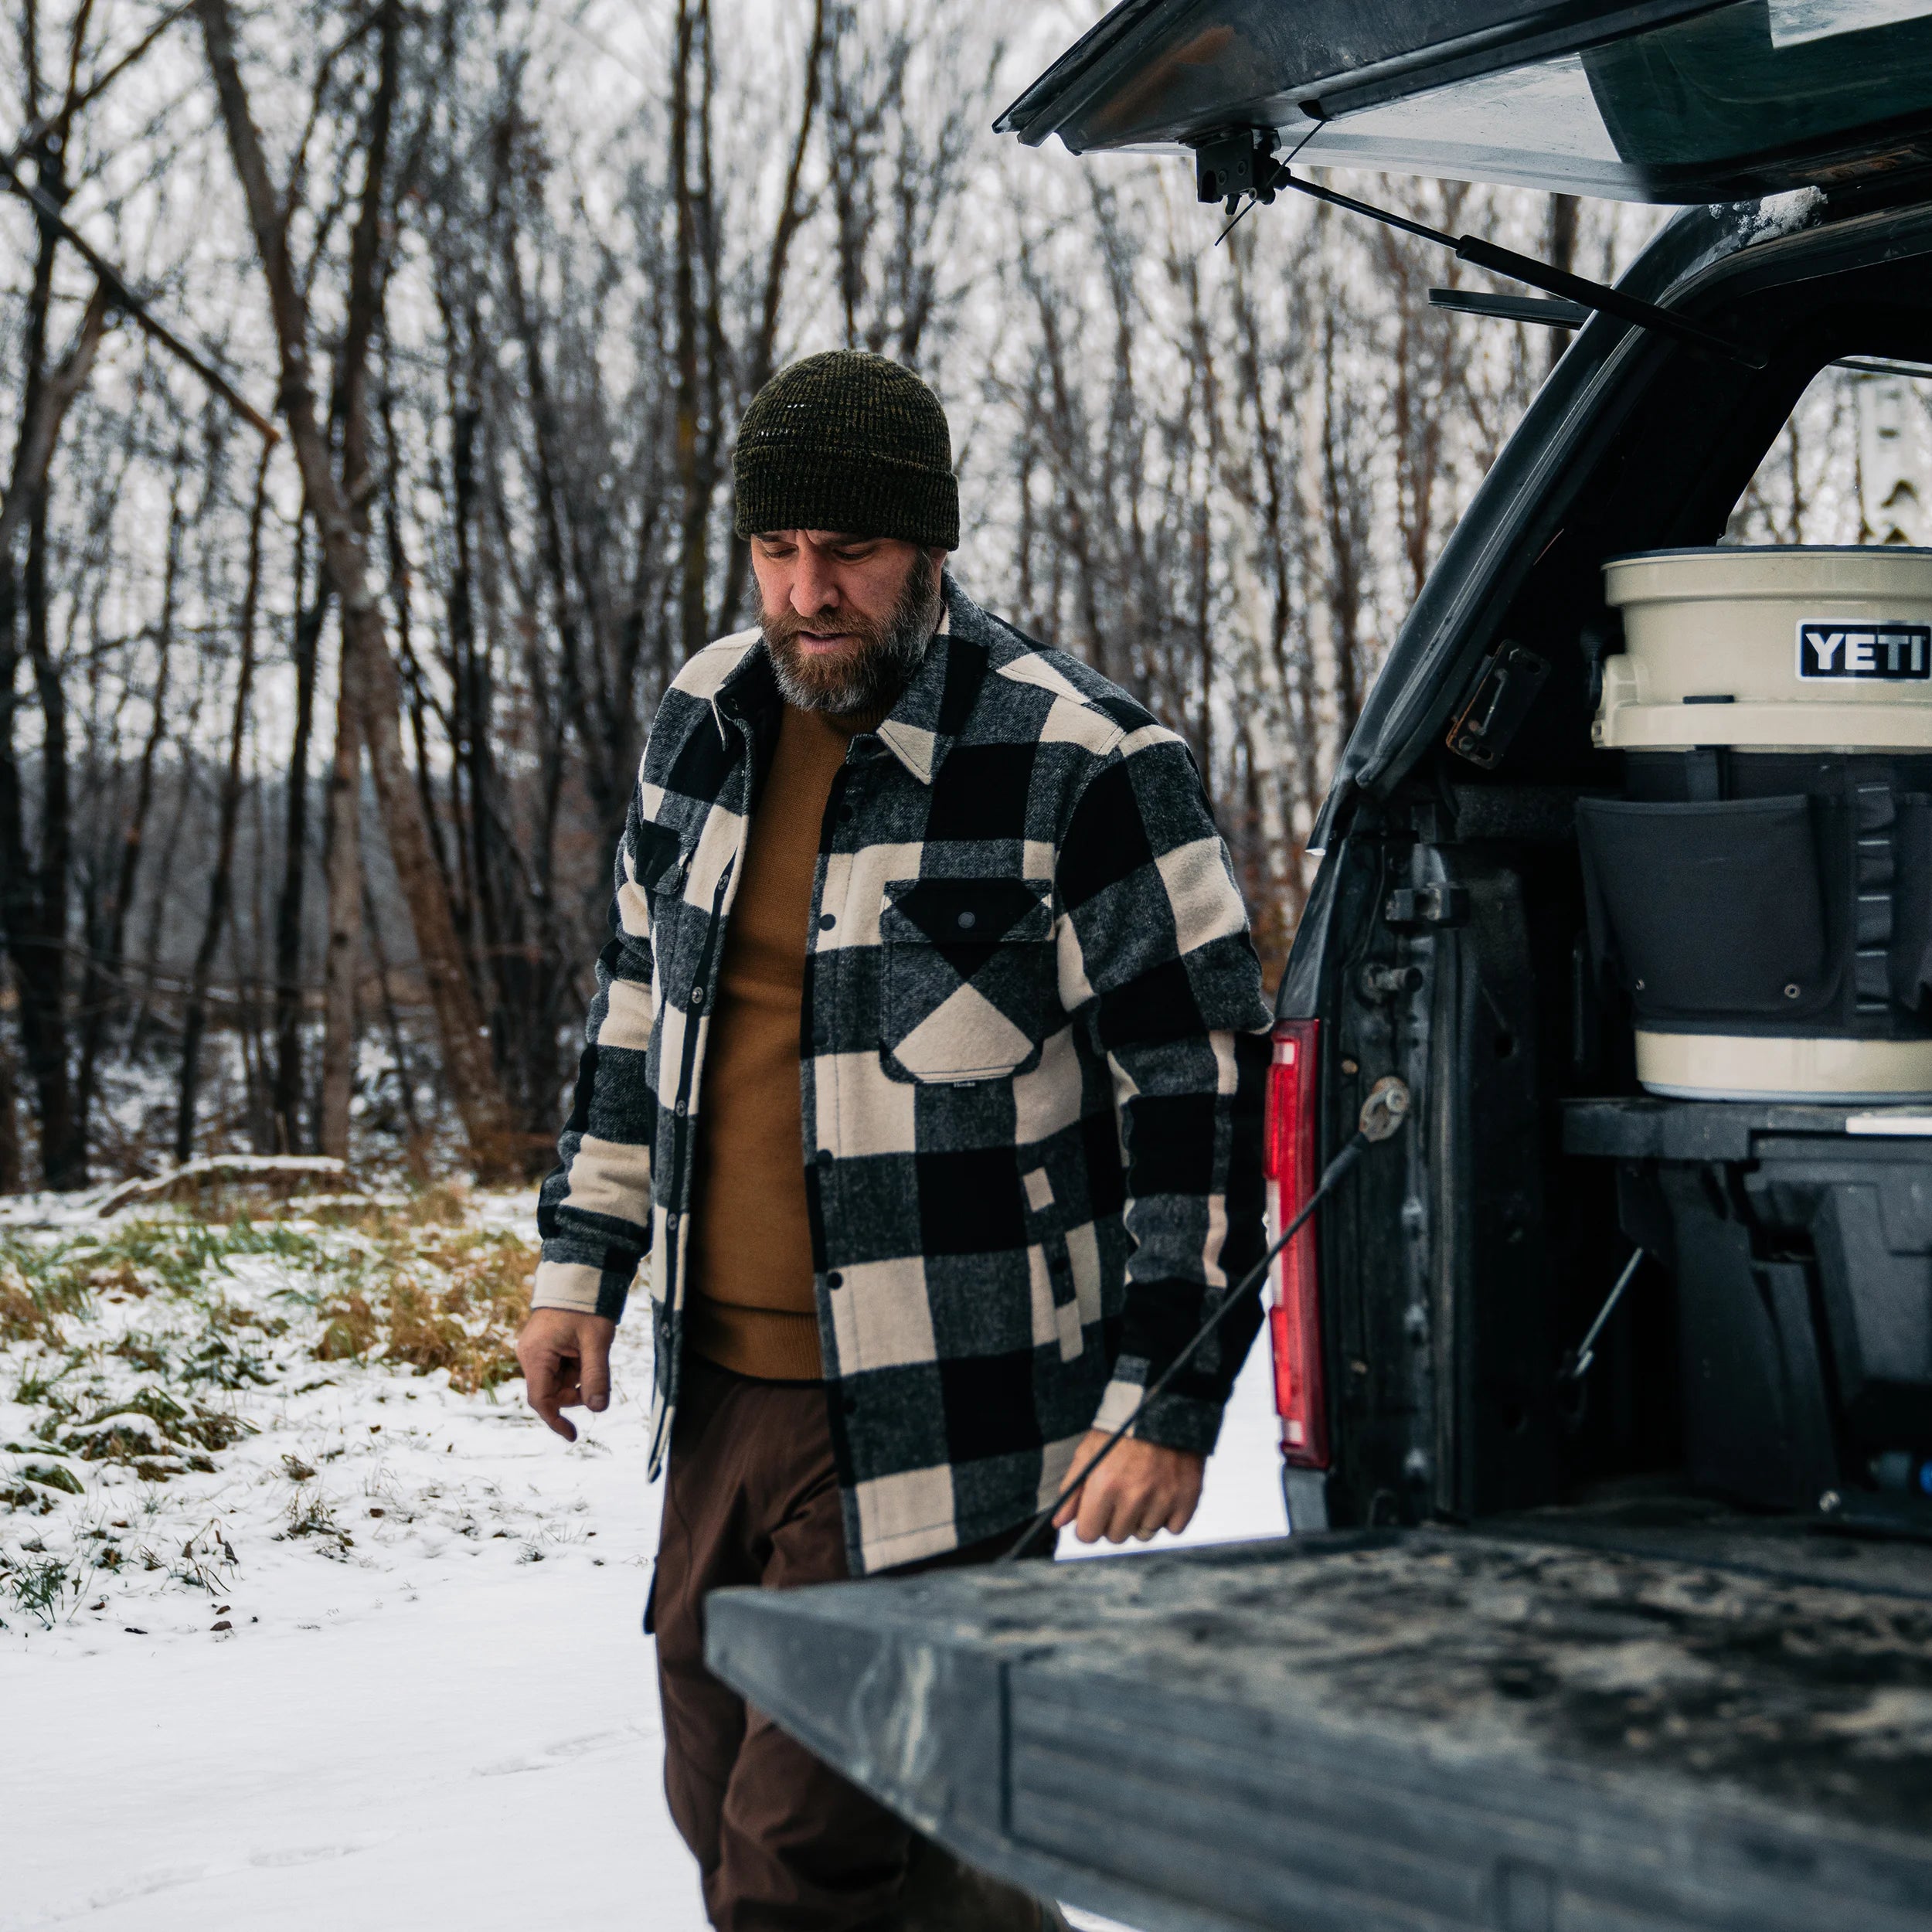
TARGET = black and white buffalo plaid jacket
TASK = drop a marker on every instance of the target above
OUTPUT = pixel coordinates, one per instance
(1034, 1039)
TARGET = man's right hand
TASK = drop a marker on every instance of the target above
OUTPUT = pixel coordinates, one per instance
(567, 1364)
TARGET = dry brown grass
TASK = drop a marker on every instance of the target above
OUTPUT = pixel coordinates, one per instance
(434, 1297)
(350, 1329)
(22, 1318)
(443, 1205)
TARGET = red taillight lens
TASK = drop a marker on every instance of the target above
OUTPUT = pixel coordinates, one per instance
(1290, 1162)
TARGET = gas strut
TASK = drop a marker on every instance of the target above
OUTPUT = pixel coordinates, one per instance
(1244, 164)
(1383, 1115)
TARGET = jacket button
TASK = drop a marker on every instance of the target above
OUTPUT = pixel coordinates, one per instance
(823, 1157)
(966, 920)
(826, 922)
(834, 1279)
(697, 999)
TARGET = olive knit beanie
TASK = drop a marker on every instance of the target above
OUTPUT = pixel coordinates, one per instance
(851, 442)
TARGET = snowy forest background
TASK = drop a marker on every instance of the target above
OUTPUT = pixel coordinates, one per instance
(269, 878)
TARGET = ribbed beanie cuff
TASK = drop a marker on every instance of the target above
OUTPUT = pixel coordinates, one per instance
(851, 442)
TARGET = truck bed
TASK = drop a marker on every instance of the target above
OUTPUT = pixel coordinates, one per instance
(1625, 1723)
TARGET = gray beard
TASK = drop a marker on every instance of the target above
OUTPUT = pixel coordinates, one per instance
(877, 673)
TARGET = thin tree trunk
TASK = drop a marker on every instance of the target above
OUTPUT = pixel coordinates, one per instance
(63, 1155)
(12, 1174)
(105, 980)
(51, 400)
(221, 888)
(792, 210)
(345, 873)
(694, 437)
(467, 1063)
(36, 932)
(289, 901)
(393, 1026)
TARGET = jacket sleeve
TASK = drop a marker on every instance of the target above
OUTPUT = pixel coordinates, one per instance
(1154, 956)
(594, 1211)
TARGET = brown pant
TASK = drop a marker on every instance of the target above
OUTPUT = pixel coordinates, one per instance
(783, 1844)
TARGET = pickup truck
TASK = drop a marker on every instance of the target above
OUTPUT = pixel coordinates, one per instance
(1607, 1415)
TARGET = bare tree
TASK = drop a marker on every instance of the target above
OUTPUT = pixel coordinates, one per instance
(467, 1063)
(221, 889)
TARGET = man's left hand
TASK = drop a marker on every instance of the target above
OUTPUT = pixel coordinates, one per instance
(1140, 1488)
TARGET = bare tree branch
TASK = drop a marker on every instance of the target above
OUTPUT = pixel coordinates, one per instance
(131, 304)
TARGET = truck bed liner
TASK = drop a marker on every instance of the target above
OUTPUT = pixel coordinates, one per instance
(1386, 1731)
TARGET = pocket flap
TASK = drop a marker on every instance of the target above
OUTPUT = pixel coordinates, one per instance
(660, 858)
(967, 912)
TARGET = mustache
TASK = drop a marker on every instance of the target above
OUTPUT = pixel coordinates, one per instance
(788, 627)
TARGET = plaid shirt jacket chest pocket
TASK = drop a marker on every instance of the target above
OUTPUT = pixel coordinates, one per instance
(1032, 1045)
(966, 977)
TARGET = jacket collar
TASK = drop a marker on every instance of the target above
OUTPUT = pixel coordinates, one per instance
(932, 710)
(749, 690)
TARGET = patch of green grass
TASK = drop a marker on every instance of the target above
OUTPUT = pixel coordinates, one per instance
(38, 1587)
(39, 1384)
(40, 1283)
(45, 1464)
(183, 1257)
(155, 1432)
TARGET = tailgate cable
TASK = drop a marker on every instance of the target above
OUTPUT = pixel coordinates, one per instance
(1383, 1115)
(1577, 1363)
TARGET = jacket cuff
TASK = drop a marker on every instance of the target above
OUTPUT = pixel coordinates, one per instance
(566, 1281)
(1173, 1420)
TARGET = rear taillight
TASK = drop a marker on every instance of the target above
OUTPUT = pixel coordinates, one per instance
(1290, 1163)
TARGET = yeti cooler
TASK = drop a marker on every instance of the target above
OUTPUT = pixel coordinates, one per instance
(1763, 890)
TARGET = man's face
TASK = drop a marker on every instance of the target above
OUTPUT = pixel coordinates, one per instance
(846, 618)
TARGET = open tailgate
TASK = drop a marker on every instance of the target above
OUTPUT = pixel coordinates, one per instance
(1372, 1730)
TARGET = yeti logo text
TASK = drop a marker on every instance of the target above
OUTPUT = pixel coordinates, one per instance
(1856, 647)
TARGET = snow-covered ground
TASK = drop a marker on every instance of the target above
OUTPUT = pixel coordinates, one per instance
(434, 1707)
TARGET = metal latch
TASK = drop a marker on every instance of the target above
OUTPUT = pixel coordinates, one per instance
(1437, 905)
(1506, 688)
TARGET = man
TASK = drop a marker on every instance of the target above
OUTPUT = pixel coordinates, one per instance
(925, 1065)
